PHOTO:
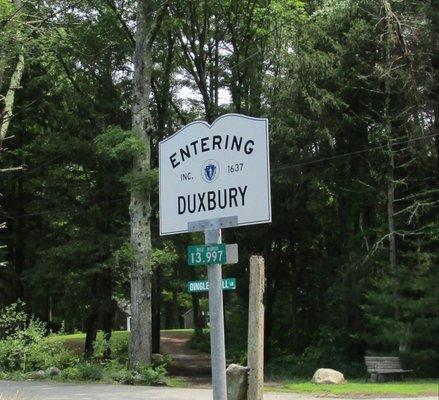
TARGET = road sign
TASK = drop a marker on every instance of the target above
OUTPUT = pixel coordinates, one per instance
(206, 254)
(203, 286)
(212, 254)
(215, 171)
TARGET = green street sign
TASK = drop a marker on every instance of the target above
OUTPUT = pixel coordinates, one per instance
(203, 286)
(206, 254)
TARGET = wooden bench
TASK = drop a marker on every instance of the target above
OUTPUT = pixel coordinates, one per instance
(382, 368)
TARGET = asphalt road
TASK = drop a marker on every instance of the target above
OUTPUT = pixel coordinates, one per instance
(67, 391)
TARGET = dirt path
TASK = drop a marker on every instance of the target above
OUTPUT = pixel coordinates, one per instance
(184, 360)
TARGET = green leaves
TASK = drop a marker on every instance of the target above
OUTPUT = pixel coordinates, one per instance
(118, 144)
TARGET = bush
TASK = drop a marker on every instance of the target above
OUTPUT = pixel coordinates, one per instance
(84, 372)
(147, 375)
(152, 375)
(24, 346)
(119, 349)
(121, 375)
(12, 319)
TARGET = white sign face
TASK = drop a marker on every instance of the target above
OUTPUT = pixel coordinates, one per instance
(209, 172)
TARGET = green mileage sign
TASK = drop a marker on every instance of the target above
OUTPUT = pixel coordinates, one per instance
(206, 254)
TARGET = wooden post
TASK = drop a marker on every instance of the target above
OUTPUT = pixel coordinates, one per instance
(255, 347)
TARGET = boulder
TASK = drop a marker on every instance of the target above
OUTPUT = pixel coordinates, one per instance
(237, 377)
(327, 375)
(40, 374)
(53, 371)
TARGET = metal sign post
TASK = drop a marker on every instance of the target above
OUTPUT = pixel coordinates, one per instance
(216, 313)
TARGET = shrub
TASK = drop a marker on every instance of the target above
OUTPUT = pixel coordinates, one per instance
(24, 346)
(152, 375)
(119, 349)
(119, 373)
(13, 318)
(84, 372)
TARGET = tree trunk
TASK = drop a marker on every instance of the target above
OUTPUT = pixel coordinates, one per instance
(391, 213)
(156, 304)
(6, 112)
(434, 18)
(91, 330)
(198, 324)
(270, 301)
(174, 310)
(388, 129)
(108, 307)
(107, 324)
(140, 205)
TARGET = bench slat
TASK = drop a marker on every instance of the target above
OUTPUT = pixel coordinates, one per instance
(384, 365)
(390, 371)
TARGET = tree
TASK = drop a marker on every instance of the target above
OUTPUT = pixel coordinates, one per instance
(148, 22)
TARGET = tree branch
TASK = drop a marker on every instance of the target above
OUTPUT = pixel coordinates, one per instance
(158, 23)
(122, 22)
(13, 169)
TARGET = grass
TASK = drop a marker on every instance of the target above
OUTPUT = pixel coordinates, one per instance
(115, 335)
(81, 336)
(353, 388)
(75, 341)
(361, 388)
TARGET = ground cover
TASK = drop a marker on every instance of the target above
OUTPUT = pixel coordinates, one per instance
(27, 353)
(75, 341)
(361, 388)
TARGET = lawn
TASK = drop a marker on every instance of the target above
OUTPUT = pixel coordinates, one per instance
(361, 388)
(75, 341)
(358, 388)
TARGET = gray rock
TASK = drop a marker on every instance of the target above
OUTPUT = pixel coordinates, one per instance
(40, 374)
(327, 375)
(53, 371)
(237, 377)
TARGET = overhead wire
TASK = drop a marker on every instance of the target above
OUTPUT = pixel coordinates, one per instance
(274, 169)
(62, 210)
(336, 156)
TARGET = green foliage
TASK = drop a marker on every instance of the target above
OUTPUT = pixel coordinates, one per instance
(343, 96)
(13, 318)
(144, 375)
(84, 372)
(167, 255)
(119, 374)
(118, 144)
(151, 375)
(25, 347)
(143, 183)
(119, 349)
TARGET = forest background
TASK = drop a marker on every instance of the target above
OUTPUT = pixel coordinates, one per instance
(350, 89)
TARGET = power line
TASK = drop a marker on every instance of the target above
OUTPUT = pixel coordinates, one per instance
(62, 210)
(319, 160)
(282, 167)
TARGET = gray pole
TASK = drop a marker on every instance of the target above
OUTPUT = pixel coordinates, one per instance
(216, 313)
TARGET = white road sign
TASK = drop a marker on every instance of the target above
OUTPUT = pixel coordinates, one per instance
(217, 171)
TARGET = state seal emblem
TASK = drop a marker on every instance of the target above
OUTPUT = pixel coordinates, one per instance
(210, 170)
